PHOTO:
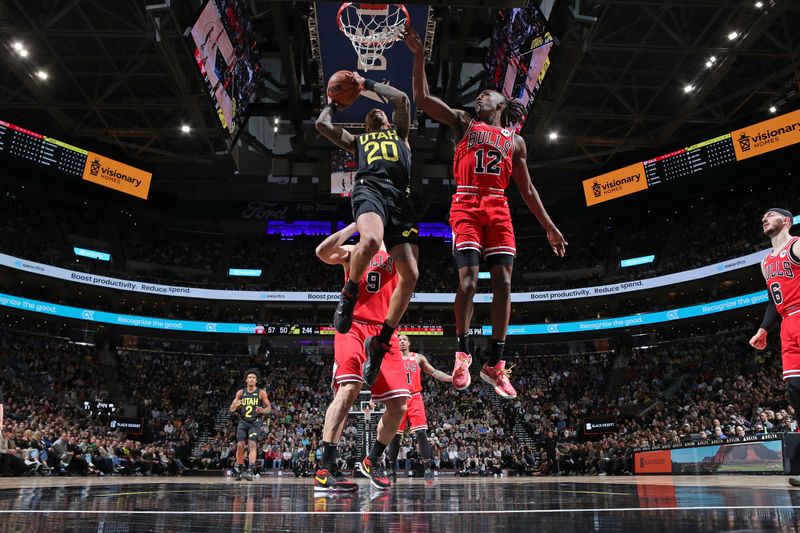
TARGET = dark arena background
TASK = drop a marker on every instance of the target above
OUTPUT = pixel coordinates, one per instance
(165, 183)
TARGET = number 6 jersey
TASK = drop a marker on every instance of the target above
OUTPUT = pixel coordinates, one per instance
(782, 272)
(384, 155)
(376, 288)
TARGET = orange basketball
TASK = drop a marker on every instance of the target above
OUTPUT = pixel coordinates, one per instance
(343, 88)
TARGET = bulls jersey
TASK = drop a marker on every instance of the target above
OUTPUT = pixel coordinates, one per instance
(483, 157)
(413, 377)
(782, 273)
(375, 289)
(383, 154)
(250, 400)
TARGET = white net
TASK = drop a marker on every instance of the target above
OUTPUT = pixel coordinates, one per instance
(372, 28)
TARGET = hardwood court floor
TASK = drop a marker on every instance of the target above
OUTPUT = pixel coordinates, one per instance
(481, 505)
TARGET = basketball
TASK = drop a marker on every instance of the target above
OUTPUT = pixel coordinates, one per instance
(343, 88)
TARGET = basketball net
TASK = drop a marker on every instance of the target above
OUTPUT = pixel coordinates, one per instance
(372, 28)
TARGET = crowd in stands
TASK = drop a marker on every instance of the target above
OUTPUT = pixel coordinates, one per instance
(689, 389)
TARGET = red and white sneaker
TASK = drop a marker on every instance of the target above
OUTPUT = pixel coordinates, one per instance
(497, 376)
(461, 377)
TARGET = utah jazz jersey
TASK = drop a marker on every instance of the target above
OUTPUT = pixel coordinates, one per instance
(250, 400)
(383, 154)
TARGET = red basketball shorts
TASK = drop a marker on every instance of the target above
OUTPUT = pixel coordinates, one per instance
(790, 346)
(482, 223)
(349, 355)
(415, 417)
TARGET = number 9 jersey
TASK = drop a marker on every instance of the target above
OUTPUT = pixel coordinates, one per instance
(376, 288)
(384, 155)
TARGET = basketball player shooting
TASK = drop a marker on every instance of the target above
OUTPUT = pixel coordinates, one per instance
(381, 206)
(252, 403)
(415, 418)
(390, 387)
(487, 156)
(781, 269)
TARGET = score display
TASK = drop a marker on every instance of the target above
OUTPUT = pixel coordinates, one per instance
(28, 146)
(736, 146)
(298, 329)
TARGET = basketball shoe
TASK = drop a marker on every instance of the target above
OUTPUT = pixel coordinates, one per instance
(343, 317)
(326, 481)
(377, 475)
(497, 376)
(237, 472)
(375, 351)
(461, 377)
(249, 474)
(392, 475)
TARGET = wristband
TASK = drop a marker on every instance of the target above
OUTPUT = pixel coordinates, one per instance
(370, 85)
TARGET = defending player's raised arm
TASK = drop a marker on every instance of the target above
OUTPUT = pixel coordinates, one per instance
(402, 106)
(333, 132)
(333, 249)
(531, 196)
(237, 401)
(265, 408)
(428, 369)
(434, 107)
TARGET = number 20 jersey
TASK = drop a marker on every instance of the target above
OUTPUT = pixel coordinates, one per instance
(783, 279)
(484, 157)
(383, 154)
(376, 288)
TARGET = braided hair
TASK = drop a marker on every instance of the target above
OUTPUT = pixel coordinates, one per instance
(513, 113)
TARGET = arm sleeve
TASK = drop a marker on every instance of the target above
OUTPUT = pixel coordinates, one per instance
(770, 315)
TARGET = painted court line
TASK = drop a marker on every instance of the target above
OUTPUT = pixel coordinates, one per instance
(477, 512)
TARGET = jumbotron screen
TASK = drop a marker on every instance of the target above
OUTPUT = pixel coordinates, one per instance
(519, 55)
(228, 59)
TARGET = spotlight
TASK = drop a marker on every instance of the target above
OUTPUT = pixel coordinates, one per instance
(22, 52)
(275, 129)
(17, 46)
(552, 135)
(733, 35)
(773, 109)
(42, 75)
(688, 88)
(709, 64)
(185, 128)
(712, 59)
(759, 5)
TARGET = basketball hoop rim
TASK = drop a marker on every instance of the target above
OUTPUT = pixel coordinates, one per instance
(360, 42)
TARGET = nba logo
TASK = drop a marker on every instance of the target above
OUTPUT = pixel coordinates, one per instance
(94, 167)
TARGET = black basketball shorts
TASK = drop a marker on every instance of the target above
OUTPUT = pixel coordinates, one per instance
(248, 430)
(381, 196)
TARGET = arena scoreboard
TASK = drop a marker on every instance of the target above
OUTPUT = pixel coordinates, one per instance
(18, 143)
(736, 146)
(305, 329)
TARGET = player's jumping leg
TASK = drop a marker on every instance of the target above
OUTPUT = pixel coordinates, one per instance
(370, 466)
(405, 258)
(494, 369)
(370, 228)
(425, 452)
(467, 262)
(328, 478)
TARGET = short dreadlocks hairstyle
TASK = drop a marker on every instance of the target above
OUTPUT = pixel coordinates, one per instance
(513, 113)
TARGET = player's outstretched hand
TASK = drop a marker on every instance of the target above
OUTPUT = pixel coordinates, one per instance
(237, 404)
(759, 340)
(412, 40)
(557, 242)
(359, 79)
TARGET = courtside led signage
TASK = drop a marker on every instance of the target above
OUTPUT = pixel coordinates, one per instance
(637, 261)
(91, 254)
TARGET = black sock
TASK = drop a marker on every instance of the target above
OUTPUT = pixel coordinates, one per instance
(351, 288)
(376, 452)
(328, 456)
(385, 336)
(463, 343)
(496, 351)
(392, 452)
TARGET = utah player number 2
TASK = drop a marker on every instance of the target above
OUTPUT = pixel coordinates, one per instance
(488, 162)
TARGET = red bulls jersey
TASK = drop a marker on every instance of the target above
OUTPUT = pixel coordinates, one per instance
(783, 279)
(376, 288)
(412, 370)
(483, 157)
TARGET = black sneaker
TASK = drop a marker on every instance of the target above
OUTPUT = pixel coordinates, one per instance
(429, 475)
(794, 481)
(392, 474)
(248, 474)
(237, 473)
(377, 475)
(375, 351)
(325, 481)
(343, 317)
